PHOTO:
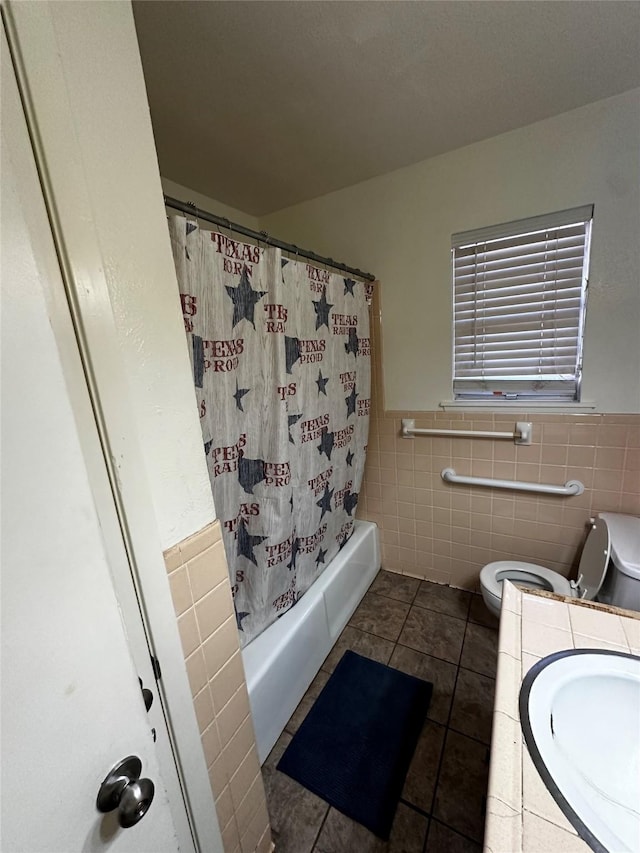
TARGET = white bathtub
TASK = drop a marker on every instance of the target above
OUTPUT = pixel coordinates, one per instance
(281, 663)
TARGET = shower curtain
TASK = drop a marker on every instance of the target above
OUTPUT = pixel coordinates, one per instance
(280, 352)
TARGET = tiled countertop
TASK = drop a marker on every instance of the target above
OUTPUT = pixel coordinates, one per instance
(522, 816)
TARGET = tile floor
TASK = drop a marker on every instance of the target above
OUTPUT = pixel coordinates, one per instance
(445, 636)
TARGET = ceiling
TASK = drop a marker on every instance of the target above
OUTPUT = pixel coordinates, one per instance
(265, 104)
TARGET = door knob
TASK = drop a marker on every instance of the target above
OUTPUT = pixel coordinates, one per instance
(123, 789)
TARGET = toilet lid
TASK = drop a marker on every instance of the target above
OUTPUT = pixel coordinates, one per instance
(595, 559)
(625, 542)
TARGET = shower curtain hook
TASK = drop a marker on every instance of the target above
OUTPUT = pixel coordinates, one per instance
(190, 219)
(194, 211)
(266, 239)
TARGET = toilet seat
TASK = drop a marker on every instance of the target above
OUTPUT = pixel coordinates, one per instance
(592, 570)
(493, 574)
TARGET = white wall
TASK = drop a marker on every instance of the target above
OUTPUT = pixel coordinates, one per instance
(98, 49)
(399, 225)
(125, 180)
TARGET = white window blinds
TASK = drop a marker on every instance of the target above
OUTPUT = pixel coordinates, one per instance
(519, 304)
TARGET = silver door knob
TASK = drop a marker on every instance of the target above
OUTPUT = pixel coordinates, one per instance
(123, 789)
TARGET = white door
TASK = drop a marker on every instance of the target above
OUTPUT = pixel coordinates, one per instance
(71, 702)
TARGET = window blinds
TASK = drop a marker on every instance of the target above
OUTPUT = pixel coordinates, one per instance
(519, 302)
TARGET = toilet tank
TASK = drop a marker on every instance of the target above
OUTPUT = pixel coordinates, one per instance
(621, 585)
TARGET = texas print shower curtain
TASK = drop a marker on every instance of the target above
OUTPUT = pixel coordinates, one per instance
(281, 365)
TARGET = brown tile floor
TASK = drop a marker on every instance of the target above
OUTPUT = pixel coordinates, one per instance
(445, 636)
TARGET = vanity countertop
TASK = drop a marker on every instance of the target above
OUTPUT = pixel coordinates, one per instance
(522, 816)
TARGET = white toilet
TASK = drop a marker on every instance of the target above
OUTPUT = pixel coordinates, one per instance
(609, 568)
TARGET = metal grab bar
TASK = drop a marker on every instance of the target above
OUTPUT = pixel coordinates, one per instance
(572, 487)
(520, 435)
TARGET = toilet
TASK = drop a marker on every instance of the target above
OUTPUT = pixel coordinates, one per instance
(609, 568)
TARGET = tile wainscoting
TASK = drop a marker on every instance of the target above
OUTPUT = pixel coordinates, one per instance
(446, 533)
(199, 580)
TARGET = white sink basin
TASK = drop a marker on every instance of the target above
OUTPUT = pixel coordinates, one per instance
(580, 715)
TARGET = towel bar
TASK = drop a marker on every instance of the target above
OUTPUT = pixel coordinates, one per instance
(520, 435)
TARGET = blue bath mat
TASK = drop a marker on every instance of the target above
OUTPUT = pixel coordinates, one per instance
(355, 745)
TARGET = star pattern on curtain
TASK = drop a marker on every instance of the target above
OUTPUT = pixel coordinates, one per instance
(325, 501)
(321, 382)
(349, 284)
(244, 299)
(281, 396)
(351, 402)
(322, 309)
(240, 392)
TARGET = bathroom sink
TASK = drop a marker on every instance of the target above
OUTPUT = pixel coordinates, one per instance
(580, 715)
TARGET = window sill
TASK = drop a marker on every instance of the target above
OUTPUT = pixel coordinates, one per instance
(519, 406)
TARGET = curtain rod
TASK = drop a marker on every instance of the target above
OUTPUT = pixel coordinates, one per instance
(262, 237)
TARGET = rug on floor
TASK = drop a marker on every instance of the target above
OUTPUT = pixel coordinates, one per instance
(355, 745)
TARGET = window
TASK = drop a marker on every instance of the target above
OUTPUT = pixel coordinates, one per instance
(519, 306)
